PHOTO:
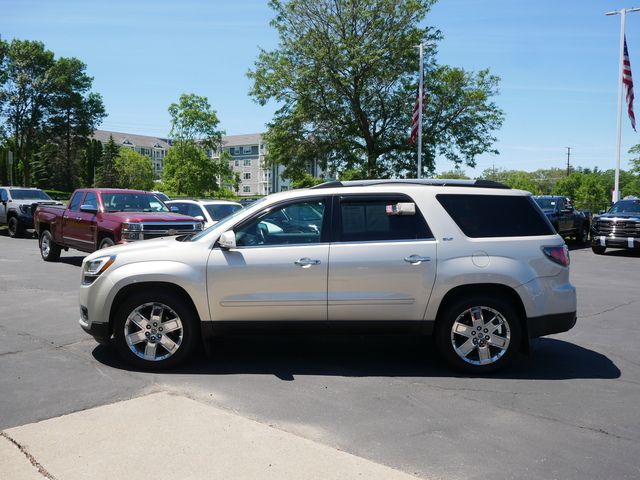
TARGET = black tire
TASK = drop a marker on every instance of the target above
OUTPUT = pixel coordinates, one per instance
(184, 340)
(49, 250)
(598, 250)
(15, 229)
(508, 332)
(582, 237)
(106, 242)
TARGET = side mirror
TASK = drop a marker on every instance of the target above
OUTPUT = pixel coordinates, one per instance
(227, 240)
(602, 211)
(174, 209)
(200, 218)
(89, 209)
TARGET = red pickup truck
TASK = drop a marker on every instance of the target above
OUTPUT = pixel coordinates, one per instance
(101, 217)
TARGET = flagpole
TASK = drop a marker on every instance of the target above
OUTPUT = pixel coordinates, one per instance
(420, 100)
(623, 19)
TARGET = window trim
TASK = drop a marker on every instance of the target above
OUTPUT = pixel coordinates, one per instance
(327, 221)
(393, 196)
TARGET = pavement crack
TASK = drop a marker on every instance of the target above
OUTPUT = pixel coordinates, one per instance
(609, 309)
(43, 471)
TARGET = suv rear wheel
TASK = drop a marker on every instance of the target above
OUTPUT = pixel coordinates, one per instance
(155, 330)
(479, 334)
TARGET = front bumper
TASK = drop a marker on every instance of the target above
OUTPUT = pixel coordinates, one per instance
(614, 242)
(26, 221)
(550, 324)
(99, 331)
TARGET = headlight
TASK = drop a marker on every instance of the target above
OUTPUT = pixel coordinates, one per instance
(131, 227)
(92, 269)
(26, 209)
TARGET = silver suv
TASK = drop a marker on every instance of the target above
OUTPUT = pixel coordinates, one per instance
(473, 263)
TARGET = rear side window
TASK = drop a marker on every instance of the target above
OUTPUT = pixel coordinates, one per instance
(482, 216)
(370, 219)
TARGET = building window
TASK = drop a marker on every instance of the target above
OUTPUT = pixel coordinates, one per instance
(237, 163)
(246, 189)
(247, 176)
(237, 150)
(246, 150)
(247, 162)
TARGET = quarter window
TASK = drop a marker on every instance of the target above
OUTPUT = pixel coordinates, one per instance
(376, 219)
(483, 216)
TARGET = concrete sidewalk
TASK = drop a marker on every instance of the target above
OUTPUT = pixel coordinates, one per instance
(168, 436)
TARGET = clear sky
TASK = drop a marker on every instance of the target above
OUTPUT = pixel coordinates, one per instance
(558, 61)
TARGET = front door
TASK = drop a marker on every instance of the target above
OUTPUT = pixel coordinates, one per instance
(382, 265)
(71, 226)
(278, 272)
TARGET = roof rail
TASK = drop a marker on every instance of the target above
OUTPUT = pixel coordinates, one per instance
(437, 182)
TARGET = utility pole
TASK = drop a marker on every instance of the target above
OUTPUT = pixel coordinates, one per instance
(568, 159)
(623, 15)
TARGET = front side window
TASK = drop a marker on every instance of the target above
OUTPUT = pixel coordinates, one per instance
(378, 219)
(292, 224)
(91, 199)
(74, 204)
(483, 216)
(3, 195)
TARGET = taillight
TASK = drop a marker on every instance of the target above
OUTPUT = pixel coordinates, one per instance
(558, 254)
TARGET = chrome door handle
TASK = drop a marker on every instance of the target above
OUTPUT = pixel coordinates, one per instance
(416, 259)
(306, 262)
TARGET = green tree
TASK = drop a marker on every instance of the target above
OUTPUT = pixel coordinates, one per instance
(455, 173)
(569, 185)
(306, 181)
(91, 162)
(344, 76)
(187, 166)
(590, 195)
(107, 175)
(134, 170)
(25, 96)
(75, 112)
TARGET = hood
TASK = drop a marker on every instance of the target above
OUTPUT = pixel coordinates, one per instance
(614, 216)
(34, 201)
(145, 247)
(150, 217)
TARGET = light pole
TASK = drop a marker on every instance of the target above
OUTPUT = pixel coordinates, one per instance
(420, 100)
(623, 16)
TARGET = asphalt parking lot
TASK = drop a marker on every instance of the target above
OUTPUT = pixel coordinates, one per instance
(570, 410)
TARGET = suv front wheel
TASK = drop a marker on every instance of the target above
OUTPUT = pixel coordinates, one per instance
(479, 334)
(155, 330)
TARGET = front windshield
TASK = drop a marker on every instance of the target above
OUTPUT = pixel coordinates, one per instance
(228, 220)
(220, 211)
(132, 202)
(546, 203)
(28, 194)
(626, 206)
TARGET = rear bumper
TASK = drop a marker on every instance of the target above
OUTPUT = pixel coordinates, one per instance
(549, 324)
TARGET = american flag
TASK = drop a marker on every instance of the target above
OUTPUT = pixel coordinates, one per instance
(628, 83)
(415, 117)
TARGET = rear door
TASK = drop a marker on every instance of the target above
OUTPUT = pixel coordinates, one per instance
(382, 265)
(71, 223)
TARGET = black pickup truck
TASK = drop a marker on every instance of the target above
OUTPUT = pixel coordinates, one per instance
(565, 218)
(619, 227)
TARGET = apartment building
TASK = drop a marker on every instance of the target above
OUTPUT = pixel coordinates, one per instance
(155, 148)
(247, 158)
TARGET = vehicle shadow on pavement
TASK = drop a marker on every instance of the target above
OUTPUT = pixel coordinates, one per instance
(288, 356)
(76, 261)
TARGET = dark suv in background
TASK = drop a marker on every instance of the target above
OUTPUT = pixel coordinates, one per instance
(17, 205)
(619, 227)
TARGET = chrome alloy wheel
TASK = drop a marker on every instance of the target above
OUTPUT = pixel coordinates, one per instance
(45, 245)
(480, 335)
(153, 331)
